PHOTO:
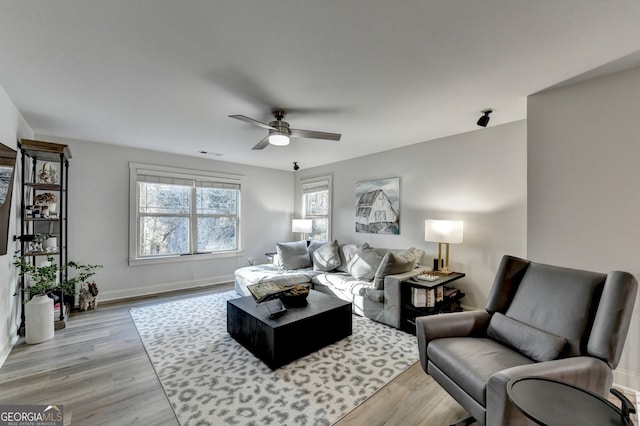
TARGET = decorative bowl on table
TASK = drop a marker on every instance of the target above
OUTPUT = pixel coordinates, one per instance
(296, 296)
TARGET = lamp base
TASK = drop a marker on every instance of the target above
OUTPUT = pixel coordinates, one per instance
(444, 272)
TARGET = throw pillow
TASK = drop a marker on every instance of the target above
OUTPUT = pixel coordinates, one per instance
(395, 263)
(419, 255)
(293, 255)
(315, 245)
(347, 252)
(327, 257)
(536, 344)
(364, 264)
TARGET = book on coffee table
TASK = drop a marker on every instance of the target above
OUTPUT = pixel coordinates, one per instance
(263, 292)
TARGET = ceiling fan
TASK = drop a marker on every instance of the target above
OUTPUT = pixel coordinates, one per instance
(279, 131)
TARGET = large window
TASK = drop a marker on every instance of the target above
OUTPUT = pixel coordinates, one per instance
(316, 205)
(177, 212)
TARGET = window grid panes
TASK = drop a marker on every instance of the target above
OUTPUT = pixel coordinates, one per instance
(316, 206)
(185, 216)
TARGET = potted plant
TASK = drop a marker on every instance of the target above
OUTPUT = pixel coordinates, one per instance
(82, 274)
(44, 280)
(38, 309)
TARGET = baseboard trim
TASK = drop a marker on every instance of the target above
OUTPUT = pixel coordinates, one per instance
(106, 295)
(626, 379)
(6, 348)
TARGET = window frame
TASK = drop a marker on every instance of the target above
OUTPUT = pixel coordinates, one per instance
(139, 169)
(318, 182)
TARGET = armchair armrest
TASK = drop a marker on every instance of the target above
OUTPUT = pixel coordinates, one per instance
(456, 324)
(586, 372)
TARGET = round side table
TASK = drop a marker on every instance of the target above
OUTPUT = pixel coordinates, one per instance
(551, 402)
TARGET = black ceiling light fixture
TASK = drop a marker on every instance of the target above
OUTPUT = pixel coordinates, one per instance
(484, 120)
(295, 166)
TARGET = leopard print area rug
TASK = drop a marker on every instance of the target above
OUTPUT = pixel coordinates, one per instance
(210, 379)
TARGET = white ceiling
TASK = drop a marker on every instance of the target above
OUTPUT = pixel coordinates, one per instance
(165, 75)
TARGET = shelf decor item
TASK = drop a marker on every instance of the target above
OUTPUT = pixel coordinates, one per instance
(47, 174)
(46, 200)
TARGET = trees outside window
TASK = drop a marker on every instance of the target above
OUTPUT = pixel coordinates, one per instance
(316, 205)
(183, 214)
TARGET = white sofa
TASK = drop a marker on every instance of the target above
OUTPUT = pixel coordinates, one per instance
(368, 277)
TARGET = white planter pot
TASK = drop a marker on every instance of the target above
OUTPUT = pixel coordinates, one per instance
(38, 314)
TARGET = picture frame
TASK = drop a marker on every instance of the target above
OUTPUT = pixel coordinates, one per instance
(7, 172)
(378, 206)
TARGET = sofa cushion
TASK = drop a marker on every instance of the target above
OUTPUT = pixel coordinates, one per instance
(395, 263)
(293, 255)
(470, 362)
(536, 344)
(327, 257)
(364, 264)
(347, 251)
(342, 282)
(264, 273)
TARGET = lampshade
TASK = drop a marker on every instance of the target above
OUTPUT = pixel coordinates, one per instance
(279, 139)
(301, 225)
(443, 231)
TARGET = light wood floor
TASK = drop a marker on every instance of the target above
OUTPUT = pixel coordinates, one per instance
(99, 371)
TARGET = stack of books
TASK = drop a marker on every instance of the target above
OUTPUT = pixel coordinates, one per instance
(450, 292)
(422, 297)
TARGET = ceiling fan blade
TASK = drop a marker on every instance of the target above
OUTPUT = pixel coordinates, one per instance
(310, 134)
(263, 143)
(252, 121)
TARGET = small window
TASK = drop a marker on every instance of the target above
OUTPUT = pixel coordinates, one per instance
(316, 205)
(178, 212)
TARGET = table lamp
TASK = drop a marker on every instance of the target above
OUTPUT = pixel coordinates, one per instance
(443, 232)
(303, 226)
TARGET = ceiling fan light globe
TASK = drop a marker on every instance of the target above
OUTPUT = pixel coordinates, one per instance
(279, 140)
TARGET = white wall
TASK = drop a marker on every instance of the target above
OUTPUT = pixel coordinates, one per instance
(99, 218)
(583, 180)
(12, 127)
(479, 177)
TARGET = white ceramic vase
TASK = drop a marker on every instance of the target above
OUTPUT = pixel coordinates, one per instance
(50, 243)
(38, 314)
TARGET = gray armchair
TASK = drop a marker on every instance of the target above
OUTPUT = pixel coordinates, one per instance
(539, 320)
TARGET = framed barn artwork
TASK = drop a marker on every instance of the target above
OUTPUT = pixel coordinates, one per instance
(378, 206)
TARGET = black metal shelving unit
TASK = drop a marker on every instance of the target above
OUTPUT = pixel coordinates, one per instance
(35, 157)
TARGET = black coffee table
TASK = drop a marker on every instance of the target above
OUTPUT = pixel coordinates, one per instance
(551, 402)
(298, 332)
